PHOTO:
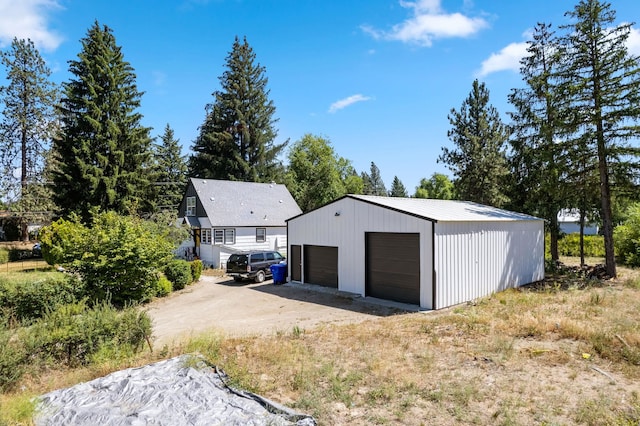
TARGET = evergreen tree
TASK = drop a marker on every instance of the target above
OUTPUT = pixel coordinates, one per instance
(373, 184)
(438, 187)
(236, 140)
(317, 175)
(28, 119)
(169, 171)
(102, 152)
(397, 188)
(538, 167)
(603, 82)
(479, 162)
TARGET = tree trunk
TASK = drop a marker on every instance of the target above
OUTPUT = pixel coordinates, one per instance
(582, 217)
(605, 199)
(554, 232)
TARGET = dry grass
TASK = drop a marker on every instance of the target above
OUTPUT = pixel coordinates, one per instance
(545, 354)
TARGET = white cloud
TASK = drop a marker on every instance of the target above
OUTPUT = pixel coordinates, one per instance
(428, 22)
(343, 103)
(27, 19)
(507, 59)
(633, 42)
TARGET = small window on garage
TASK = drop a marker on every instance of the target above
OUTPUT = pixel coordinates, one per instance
(261, 235)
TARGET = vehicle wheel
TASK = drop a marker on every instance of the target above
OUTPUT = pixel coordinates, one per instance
(259, 277)
(237, 279)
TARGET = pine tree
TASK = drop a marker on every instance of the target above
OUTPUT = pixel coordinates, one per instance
(169, 171)
(479, 162)
(397, 188)
(538, 167)
(373, 184)
(102, 152)
(236, 140)
(28, 120)
(603, 82)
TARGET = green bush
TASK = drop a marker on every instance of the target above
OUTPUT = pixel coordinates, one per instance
(164, 287)
(196, 269)
(569, 245)
(117, 257)
(12, 360)
(73, 333)
(29, 295)
(178, 271)
(4, 255)
(626, 238)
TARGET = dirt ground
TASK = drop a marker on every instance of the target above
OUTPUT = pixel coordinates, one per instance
(242, 309)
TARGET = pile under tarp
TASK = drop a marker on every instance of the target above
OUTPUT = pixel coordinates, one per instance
(179, 391)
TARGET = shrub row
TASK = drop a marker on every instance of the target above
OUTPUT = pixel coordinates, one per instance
(4, 255)
(70, 335)
(178, 271)
(569, 245)
(32, 294)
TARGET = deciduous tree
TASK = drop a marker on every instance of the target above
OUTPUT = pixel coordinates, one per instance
(438, 186)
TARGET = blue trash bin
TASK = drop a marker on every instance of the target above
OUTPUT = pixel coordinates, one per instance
(279, 272)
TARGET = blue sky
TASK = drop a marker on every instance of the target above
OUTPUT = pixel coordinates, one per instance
(377, 77)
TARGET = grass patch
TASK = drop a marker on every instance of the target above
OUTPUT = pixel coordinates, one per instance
(515, 357)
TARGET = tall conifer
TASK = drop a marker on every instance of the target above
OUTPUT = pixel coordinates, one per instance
(102, 152)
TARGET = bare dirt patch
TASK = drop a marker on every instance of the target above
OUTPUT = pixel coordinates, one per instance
(218, 304)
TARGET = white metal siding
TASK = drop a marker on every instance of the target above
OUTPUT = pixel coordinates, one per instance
(246, 240)
(343, 224)
(475, 259)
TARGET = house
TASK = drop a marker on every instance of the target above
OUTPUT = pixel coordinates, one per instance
(228, 217)
(431, 253)
(569, 222)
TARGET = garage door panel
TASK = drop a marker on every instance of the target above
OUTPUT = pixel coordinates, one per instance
(321, 265)
(393, 266)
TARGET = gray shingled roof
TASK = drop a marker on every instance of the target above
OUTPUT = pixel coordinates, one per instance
(230, 203)
(445, 210)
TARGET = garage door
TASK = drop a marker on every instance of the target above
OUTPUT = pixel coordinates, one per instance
(321, 265)
(393, 266)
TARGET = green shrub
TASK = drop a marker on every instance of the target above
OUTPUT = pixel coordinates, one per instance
(626, 237)
(4, 255)
(73, 333)
(29, 295)
(117, 257)
(12, 360)
(569, 245)
(196, 269)
(178, 271)
(164, 287)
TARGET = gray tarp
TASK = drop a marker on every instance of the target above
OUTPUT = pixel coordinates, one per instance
(178, 391)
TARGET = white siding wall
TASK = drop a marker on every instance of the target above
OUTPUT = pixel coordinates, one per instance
(475, 259)
(347, 232)
(216, 256)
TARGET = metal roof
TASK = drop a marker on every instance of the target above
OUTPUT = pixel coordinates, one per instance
(445, 210)
(233, 203)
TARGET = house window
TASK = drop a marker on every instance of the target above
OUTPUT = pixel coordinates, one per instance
(224, 236)
(261, 235)
(229, 236)
(191, 206)
(205, 237)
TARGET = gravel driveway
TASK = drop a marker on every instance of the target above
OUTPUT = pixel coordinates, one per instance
(240, 309)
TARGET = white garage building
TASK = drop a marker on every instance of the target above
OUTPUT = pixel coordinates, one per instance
(431, 253)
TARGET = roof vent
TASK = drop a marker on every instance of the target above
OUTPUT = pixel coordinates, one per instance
(265, 217)
(212, 198)
(251, 211)
(280, 201)
(204, 182)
